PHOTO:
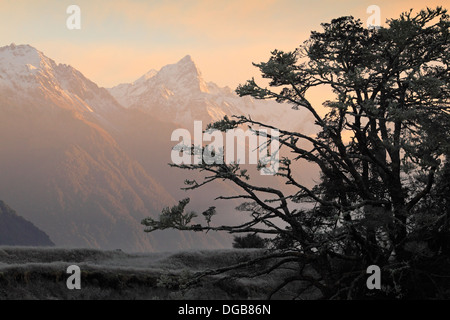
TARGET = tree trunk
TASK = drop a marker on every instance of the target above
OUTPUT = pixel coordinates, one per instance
(400, 231)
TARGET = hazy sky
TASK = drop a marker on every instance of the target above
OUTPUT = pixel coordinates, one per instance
(120, 40)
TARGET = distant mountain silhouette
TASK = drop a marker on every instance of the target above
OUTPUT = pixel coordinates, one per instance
(16, 231)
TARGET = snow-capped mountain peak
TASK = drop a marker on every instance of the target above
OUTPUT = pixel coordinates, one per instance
(179, 93)
(18, 54)
(27, 70)
(183, 77)
(22, 63)
(186, 65)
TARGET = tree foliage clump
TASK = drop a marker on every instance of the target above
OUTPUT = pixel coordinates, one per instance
(248, 241)
(382, 148)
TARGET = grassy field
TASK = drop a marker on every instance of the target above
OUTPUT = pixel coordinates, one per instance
(40, 273)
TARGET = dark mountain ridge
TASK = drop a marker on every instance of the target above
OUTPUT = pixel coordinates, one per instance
(17, 231)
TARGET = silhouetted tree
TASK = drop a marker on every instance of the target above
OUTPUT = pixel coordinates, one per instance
(379, 148)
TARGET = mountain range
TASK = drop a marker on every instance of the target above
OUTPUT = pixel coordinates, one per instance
(86, 164)
(180, 93)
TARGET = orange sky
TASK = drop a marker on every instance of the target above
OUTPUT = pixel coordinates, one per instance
(121, 40)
